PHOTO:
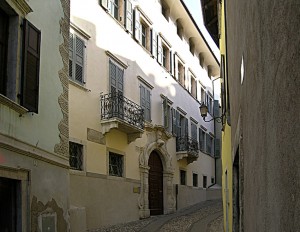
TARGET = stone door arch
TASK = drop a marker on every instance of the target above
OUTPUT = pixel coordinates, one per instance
(157, 139)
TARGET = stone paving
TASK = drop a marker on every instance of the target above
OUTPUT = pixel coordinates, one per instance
(205, 216)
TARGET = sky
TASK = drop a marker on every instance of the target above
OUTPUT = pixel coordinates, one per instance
(195, 9)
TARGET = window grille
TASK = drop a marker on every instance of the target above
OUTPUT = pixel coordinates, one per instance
(182, 177)
(76, 156)
(115, 164)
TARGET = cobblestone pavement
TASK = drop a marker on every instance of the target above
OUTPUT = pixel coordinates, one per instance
(205, 216)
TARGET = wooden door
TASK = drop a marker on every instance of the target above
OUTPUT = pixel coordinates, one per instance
(155, 184)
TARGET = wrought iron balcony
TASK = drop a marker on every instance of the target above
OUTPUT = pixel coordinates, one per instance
(187, 147)
(119, 112)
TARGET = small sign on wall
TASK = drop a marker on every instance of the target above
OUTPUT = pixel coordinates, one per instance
(136, 190)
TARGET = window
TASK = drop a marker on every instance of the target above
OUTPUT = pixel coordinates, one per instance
(121, 10)
(19, 82)
(202, 139)
(76, 156)
(179, 28)
(76, 58)
(180, 71)
(209, 144)
(142, 29)
(164, 53)
(116, 164)
(182, 177)
(145, 95)
(193, 86)
(212, 180)
(195, 180)
(204, 181)
(116, 78)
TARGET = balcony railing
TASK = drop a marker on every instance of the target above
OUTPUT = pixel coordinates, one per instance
(114, 105)
(187, 144)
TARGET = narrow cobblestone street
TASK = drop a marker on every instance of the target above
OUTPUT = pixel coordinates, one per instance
(205, 216)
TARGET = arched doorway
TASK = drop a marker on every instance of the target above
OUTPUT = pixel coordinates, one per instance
(155, 195)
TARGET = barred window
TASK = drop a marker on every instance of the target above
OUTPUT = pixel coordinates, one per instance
(76, 156)
(204, 181)
(116, 164)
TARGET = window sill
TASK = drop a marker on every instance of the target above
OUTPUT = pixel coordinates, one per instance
(13, 105)
(74, 83)
(77, 172)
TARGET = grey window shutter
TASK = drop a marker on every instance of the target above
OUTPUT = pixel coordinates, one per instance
(104, 4)
(71, 54)
(159, 50)
(178, 124)
(186, 127)
(208, 144)
(113, 77)
(166, 113)
(79, 59)
(176, 71)
(174, 122)
(148, 104)
(137, 25)
(31, 67)
(143, 100)
(194, 131)
(128, 16)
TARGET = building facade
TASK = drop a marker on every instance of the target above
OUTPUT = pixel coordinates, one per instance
(138, 145)
(261, 51)
(34, 164)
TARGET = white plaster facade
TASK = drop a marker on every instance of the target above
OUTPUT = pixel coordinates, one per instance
(34, 165)
(106, 199)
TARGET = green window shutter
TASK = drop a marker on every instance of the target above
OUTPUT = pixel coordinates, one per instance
(104, 4)
(128, 16)
(154, 44)
(30, 67)
(137, 25)
(159, 50)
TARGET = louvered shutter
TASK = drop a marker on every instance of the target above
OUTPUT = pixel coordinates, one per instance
(143, 100)
(154, 44)
(201, 140)
(71, 54)
(174, 122)
(148, 105)
(176, 71)
(194, 131)
(31, 67)
(79, 59)
(137, 25)
(113, 77)
(104, 4)
(159, 50)
(216, 108)
(128, 16)
(186, 127)
(166, 114)
(178, 125)
(208, 144)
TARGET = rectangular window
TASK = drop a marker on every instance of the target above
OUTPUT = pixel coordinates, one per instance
(164, 53)
(194, 131)
(116, 164)
(145, 95)
(76, 58)
(182, 177)
(212, 180)
(142, 29)
(76, 156)
(202, 140)
(24, 89)
(204, 181)
(195, 180)
(181, 74)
